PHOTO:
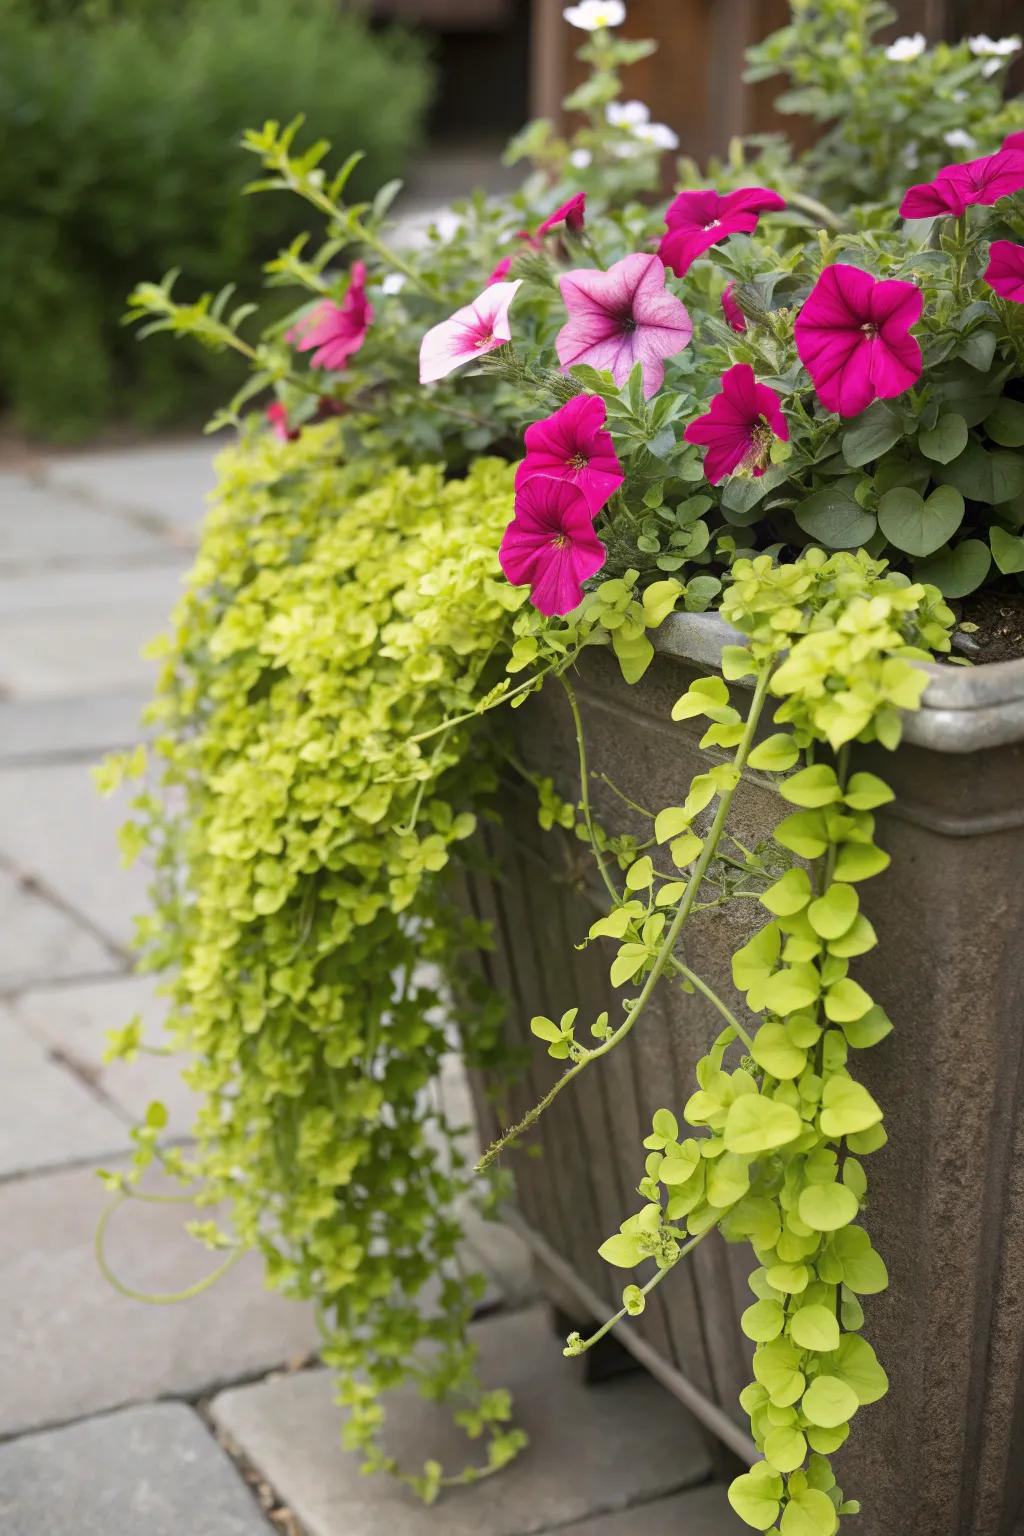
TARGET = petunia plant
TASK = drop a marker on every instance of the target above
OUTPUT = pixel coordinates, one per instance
(797, 398)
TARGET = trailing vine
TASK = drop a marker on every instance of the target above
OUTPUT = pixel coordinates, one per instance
(779, 1133)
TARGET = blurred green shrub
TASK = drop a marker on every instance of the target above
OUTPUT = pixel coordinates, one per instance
(119, 127)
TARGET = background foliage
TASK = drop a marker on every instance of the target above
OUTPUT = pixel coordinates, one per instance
(118, 156)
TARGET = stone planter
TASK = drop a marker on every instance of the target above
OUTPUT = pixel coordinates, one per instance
(943, 1454)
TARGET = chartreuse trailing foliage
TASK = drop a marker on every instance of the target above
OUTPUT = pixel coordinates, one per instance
(780, 1128)
(334, 617)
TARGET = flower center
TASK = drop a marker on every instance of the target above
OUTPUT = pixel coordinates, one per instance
(484, 341)
(715, 224)
(628, 325)
(870, 329)
(761, 438)
(559, 541)
(578, 461)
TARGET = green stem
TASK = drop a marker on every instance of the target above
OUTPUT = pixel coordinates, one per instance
(645, 1290)
(668, 943)
(712, 996)
(581, 750)
(156, 1299)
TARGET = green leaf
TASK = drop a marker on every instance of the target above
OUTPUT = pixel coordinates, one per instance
(785, 1448)
(865, 791)
(811, 787)
(777, 1368)
(846, 1106)
(856, 1363)
(814, 1327)
(1007, 550)
(665, 1124)
(858, 861)
(827, 1207)
(864, 1270)
(945, 441)
(678, 1167)
(776, 1053)
(835, 520)
(920, 527)
(728, 1180)
(544, 1029)
(982, 475)
(833, 914)
(978, 350)
(764, 1321)
(790, 989)
(621, 1250)
(874, 432)
(685, 849)
(670, 822)
(846, 1000)
(805, 833)
(755, 1496)
(810, 1513)
(1005, 425)
(758, 1124)
(776, 754)
(788, 895)
(639, 876)
(829, 1402)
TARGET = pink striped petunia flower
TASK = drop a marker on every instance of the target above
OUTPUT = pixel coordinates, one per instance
(622, 317)
(472, 331)
(335, 332)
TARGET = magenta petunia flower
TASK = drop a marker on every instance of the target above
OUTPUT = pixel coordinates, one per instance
(959, 187)
(473, 331)
(698, 220)
(500, 272)
(1005, 271)
(622, 317)
(572, 214)
(734, 316)
(739, 429)
(277, 418)
(336, 331)
(574, 445)
(1014, 141)
(550, 544)
(853, 337)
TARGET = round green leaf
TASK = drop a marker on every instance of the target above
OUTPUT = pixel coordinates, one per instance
(775, 1051)
(846, 1107)
(785, 1449)
(1007, 550)
(946, 440)
(788, 895)
(777, 1368)
(775, 754)
(1005, 425)
(981, 475)
(755, 1497)
(763, 1322)
(872, 434)
(815, 1327)
(826, 1441)
(846, 1000)
(829, 1402)
(812, 787)
(758, 1124)
(920, 527)
(810, 1513)
(835, 520)
(827, 1207)
(856, 1363)
(622, 1251)
(833, 914)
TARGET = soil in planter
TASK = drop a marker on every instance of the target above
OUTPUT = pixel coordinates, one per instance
(1000, 620)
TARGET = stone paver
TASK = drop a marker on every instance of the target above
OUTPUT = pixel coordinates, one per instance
(41, 526)
(169, 482)
(73, 1021)
(82, 632)
(153, 1471)
(592, 1450)
(34, 730)
(700, 1512)
(49, 1116)
(56, 828)
(40, 942)
(74, 1346)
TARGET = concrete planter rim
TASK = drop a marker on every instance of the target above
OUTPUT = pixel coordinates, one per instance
(964, 709)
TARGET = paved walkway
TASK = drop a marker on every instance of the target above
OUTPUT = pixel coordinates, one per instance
(210, 1418)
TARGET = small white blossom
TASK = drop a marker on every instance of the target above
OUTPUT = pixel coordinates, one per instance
(592, 15)
(984, 46)
(906, 48)
(393, 283)
(911, 159)
(627, 114)
(959, 138)
(659, 135)
(580, 159)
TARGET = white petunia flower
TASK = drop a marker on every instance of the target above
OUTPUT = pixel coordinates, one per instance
(580, 159)
(627, 114)
(906, 48)
(592, 15)
(984, 46)
(393, 283)
(659, 135)
(959, 138)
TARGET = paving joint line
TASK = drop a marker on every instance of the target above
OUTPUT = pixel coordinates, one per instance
(37, 886)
